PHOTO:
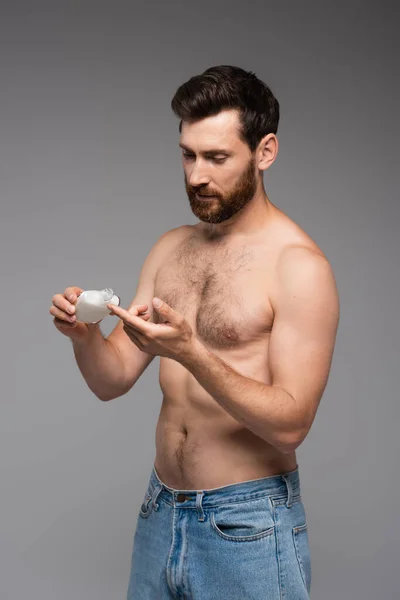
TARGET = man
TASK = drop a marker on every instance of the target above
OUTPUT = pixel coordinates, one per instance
(245, 333)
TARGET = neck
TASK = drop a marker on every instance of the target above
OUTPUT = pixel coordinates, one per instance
(248, 222)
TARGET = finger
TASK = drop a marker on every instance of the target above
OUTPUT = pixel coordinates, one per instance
(61, 315)
(128, 328)
(144, 317)
(62, 303)
(72, 292)
(59, 323)
(139, 324)
(135, 339)
(137, 308)
(134, 333)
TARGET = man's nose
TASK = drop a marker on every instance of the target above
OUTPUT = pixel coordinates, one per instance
(198, 176)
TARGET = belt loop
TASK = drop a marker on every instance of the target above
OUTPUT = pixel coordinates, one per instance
(156, 493)
(199, 506)
(289, 490)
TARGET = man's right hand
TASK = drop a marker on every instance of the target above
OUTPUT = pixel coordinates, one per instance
(63, 311)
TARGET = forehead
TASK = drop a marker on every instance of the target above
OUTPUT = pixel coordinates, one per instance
(217, 130)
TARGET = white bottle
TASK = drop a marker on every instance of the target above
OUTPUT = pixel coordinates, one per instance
(91, 306)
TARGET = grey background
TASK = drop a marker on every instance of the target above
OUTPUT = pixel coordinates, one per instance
(90, 176)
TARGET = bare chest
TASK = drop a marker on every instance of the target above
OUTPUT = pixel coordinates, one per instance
(224, 293)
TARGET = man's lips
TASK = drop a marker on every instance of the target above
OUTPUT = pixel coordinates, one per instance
(204, 196)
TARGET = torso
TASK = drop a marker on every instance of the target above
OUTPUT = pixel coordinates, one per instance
(225, 291)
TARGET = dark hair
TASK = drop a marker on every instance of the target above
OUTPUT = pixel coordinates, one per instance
(227, 87)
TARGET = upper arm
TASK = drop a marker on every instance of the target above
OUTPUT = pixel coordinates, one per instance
(306, 307)
(135, 361)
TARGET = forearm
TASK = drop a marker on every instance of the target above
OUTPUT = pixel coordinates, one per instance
(100, 364)
(267, 411)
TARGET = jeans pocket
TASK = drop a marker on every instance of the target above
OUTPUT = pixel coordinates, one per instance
(243, 521)
(145, 508)
(300, 539)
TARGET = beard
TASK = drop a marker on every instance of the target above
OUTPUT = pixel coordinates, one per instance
(219, 209)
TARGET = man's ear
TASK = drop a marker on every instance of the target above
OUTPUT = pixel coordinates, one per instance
(267, 151)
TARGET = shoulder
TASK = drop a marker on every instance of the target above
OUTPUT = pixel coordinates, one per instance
(299, 258)
(296, 254)
(171, 238)
(166, 244)
(304, 278)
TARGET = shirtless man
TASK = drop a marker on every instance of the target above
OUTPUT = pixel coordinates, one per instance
(245, 334)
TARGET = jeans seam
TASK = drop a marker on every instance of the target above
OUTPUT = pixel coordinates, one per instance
(295, 532)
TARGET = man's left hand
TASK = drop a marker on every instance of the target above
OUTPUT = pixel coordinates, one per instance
(174, 338)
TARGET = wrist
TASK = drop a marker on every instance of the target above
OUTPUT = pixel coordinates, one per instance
(92, 332)
(194, 351)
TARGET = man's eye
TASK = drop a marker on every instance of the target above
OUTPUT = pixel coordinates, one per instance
(217, 160)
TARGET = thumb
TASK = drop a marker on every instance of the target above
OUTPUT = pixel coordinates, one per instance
(162, 308)
(165, 311)
(159, 305)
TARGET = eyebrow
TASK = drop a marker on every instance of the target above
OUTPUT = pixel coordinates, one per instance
(212, 151)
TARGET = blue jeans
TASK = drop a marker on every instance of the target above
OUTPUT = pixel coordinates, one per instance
(244, 541)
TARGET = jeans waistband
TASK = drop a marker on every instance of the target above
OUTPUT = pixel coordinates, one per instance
(286, 484)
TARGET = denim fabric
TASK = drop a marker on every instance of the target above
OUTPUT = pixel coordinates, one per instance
(244, 541)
